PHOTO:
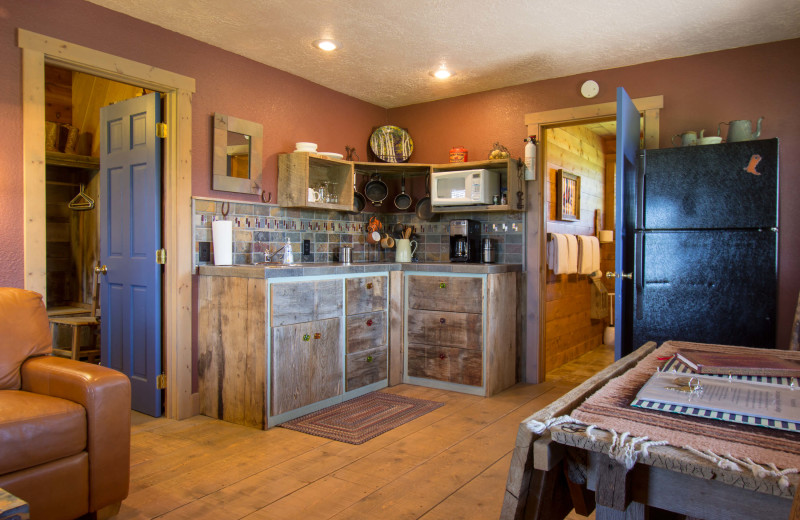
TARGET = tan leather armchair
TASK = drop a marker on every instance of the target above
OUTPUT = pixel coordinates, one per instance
(64, 425)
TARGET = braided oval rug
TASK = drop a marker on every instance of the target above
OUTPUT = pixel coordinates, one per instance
(359, 420)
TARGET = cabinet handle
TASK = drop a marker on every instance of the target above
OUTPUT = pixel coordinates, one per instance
(306, 337)
(442, 285)
(369, 359)
(369, 323)
(317, 335)
(442, 356)
(442, 321)
(369, 285)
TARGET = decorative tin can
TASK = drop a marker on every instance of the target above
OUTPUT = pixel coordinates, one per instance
(458, 154)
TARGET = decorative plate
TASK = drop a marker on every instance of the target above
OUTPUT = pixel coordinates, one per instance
(391, 144)
(331, 155)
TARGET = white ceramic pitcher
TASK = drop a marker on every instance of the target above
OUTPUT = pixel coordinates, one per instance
(404, 251)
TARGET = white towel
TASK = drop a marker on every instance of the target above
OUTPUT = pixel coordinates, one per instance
(585, 258)
(557, 253)
(572, 254)
(595, 253)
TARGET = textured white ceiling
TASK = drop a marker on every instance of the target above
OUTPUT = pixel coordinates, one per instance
(390, 47)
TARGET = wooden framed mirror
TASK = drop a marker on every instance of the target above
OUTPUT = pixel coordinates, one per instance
(237, 155)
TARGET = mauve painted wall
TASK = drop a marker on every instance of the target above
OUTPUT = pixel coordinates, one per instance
(699, 92)
(290, 108)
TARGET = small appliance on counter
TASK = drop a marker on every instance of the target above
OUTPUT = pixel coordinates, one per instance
(465, 241)
(464, 187)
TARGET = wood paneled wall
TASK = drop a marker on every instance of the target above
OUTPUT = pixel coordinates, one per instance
(569, 330)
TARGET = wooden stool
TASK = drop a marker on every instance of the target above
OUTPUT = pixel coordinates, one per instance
(90, 351)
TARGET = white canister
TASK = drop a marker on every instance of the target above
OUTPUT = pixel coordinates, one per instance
(222, 235)
(404, 251)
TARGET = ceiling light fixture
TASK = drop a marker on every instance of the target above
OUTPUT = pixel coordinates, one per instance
(327, 45)
(442, 73)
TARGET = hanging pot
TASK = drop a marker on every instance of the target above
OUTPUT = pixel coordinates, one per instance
(424, 208)
(358, 199)
(375, 190)
(402, 200)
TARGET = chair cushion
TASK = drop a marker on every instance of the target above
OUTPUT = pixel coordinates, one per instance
(24, 332)
(36, 428)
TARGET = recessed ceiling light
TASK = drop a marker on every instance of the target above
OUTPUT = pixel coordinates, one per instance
(442, 73)
(327, 45)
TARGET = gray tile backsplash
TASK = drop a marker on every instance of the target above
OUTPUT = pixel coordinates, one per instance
(266, 227)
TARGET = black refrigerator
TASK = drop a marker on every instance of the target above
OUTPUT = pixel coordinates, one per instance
(706, 244)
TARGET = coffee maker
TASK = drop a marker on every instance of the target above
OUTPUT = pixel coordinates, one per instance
(465, 241)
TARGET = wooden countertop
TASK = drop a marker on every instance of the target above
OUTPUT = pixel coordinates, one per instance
(316, 269)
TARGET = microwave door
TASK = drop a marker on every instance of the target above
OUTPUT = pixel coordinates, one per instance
(451, 188)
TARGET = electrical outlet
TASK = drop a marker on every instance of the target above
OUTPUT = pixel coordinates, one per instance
(306, 247)
(205, 252)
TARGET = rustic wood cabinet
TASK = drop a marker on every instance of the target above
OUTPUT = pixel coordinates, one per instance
(299, 171)
(461, 331)
(367, 331)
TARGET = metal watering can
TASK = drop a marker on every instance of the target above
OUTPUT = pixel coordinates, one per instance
(741, 130)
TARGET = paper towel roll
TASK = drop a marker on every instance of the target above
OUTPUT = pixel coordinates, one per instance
(606, 236)
(222, 234)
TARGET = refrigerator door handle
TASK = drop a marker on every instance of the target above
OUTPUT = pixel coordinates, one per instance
(638, 273)
(639, 188)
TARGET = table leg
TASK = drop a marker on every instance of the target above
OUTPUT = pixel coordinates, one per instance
(613, 493)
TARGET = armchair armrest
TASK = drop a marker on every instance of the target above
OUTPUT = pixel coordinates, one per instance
(106, 396)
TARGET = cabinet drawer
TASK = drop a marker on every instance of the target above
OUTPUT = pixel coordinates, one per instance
(365, 294)
(445, 293)
(366, 331)
(449, 329)
(454, 365)
(306, 364)
(367, 367)
(298, 302)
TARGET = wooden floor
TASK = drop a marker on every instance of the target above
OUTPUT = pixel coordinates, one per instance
(449, 464)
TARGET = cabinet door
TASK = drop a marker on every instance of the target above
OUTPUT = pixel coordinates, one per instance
(453, 329)
(445, 293)
(366, 367)
(298, 302)
(365, 294)
(454, 365)
(366, 331)
(306, 364)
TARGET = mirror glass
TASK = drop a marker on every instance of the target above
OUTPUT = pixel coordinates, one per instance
(237, 155)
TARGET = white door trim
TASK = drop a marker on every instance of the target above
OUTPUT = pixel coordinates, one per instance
(536, 239)
(37, 50)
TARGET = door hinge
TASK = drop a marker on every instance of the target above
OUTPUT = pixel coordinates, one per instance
(161, 130)
(161, 256)
(161, 381)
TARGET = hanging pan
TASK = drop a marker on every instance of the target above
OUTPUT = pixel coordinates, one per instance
(402, 200)
(358, 199)
(424, 209)
(375, 190)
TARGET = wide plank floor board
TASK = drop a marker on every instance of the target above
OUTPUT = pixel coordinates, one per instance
(451, 463)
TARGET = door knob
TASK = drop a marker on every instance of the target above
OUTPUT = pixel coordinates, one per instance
(612, 274)
(101, 269)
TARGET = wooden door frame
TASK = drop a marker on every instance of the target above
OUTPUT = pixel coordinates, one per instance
(536, 239)
(37, 50)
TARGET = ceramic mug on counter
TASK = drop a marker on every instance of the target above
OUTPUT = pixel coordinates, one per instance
(404, 251)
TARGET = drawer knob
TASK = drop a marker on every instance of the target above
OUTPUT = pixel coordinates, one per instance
(442, 321)
(369, 285)
(369, 323)
(369, 359)
(442, 356)
(442, 285)
(317, 335)
(306, 337)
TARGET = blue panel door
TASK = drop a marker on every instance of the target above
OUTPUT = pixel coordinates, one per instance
(130, 234)
(627, 153)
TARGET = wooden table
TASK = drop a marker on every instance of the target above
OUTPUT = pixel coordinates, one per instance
(564, 468)
(12, 508)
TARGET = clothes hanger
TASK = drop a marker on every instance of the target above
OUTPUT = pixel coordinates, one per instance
(81, 202)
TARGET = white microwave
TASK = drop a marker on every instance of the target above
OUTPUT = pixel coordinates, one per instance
(464, 187)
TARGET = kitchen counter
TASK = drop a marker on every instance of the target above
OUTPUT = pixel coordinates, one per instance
(316, 269)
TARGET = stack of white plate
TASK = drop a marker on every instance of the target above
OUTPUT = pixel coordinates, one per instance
(306, 147)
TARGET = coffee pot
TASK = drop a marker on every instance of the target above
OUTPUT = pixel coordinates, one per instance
(741, 130)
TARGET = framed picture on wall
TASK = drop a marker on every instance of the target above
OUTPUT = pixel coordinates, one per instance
(568, 196)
